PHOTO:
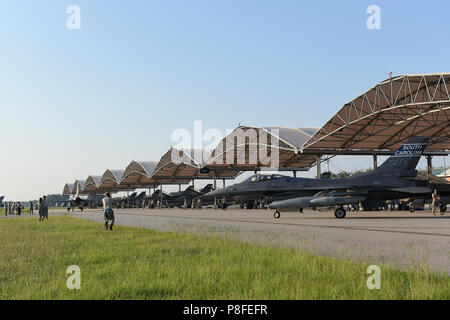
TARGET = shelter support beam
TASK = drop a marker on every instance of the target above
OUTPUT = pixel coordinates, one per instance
(161, 195)
(215, 186)
(375, 164)
(318, 166)
(429, 167)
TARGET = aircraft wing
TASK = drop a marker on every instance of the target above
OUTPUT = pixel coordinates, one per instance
(412, 190)
(343, 191)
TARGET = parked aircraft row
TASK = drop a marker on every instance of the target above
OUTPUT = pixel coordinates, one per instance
(186, 198)
(396, 178)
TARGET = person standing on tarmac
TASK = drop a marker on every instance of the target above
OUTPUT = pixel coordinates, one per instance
(40, 209)
(224, 203)
(109, 213)
(434, 197)
(44, 205)
(31, 208)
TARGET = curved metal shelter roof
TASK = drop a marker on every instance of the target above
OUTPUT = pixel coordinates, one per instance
(139, 174)
(92, 185)
(178, 165)
(111, 179)
(68, 189)
(243, 149)
(385, 116)
(183, 165)
(376, 122)
(94, 181)
(78, 186)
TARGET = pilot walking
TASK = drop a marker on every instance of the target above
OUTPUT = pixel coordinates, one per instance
(44, 205)
(109, 213)
(224, 203)
(434, 197)
(43, 208)
(40, 209)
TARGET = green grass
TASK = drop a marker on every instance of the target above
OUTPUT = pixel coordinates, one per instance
(24, 211)
(133, 263)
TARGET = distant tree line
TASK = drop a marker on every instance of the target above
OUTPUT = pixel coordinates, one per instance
(345, 174)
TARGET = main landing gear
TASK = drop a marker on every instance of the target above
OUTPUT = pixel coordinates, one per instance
(443, 208)
(340, 213)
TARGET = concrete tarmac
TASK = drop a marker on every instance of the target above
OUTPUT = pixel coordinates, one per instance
(399, 239)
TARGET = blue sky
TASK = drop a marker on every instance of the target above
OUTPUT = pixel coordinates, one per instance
(75, 102)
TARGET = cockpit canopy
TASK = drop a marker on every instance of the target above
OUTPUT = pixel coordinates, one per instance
(264, 177)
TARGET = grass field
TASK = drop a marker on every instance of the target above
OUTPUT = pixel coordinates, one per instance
(133, 263)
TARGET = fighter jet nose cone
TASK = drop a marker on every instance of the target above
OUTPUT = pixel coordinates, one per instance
(205, 196)
(211, 195)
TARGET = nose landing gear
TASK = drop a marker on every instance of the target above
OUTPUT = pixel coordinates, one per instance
(276, 214)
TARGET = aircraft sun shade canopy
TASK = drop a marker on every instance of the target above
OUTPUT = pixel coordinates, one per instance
(384, 117)
(183, 165)
(111, 181)
(243, 149)
(68, 189)
(139, 174)
(378, 121)
(92, 185)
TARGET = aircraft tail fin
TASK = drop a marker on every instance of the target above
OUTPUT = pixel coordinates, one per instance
(407, 157)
